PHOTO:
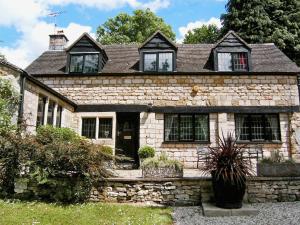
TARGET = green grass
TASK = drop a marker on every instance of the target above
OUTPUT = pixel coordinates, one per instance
(28, 213)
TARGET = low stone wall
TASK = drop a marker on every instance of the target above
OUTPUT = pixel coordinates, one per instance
(273, 189)
(191, 191)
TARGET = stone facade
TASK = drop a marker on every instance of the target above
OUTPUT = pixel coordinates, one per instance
(177, 90)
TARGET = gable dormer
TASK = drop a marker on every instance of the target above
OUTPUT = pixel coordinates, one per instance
(85, 55)
(232, 53)
(158, 54)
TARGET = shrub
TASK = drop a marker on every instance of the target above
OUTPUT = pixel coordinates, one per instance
(62, 164)
(49, 134)
(106, 149)
(146, 152)
(162, 161)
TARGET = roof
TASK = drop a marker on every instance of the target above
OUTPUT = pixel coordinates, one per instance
(37, 82)
(231, 32)
(191, 58)
(162, 35)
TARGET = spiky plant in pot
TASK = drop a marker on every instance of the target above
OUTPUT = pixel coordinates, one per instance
(229, 169)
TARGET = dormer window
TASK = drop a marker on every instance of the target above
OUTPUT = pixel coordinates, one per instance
(233, 61)
(84, 63)
(158, 62)
(158, 54)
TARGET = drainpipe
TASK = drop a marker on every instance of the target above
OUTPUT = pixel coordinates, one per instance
(21, 100)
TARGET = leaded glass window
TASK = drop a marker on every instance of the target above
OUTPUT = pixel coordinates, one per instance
(171, 127)
(240, 61)
(76, 63)
(224, 62)
(201, 127)
(105, 127)
(88, 128)
(257, 127)
(58, 116)
(186, 127)
(91, 63)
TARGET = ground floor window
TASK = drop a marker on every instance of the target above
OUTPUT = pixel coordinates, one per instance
(105, 128)
(40, 111)
(58, 116)
(257, 127)
(88, 128)
(186, 127)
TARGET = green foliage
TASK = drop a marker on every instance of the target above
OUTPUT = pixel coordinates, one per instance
(136, 28)
(203, 35)
(276, 157)
(227, 160)
(17, 213)
(49, 134)
(259, 21)
(146, 152)
(9, 100)
(162, 161)
(62, 163)
(106, 149)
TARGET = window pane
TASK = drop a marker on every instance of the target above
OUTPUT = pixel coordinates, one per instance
(240, 61)
(105, 128)
(171, 127)
(58, 116)
(201, 127)
(257, 128)
(91, 63)
(186, 127)
(224, 62)
(76, 63)
(50, 114)
(89, 128)
(40, 111)
(242, 128)
(150, 62)
(165, 62)
(272, 128)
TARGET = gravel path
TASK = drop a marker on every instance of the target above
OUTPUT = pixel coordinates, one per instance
(284, 213)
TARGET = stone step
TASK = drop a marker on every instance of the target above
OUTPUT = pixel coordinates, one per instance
(211, 210)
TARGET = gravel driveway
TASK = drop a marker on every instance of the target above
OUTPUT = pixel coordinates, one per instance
(284, 213)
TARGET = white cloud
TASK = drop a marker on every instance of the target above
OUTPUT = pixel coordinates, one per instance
(192, 25)
(26, 16)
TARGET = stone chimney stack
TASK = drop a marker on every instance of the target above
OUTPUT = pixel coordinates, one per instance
(58, 41)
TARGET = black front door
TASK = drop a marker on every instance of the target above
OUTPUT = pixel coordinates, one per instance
(127, 141)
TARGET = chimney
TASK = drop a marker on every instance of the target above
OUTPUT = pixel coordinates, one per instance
(58, 41)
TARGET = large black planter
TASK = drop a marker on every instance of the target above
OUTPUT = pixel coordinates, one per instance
(228, 195)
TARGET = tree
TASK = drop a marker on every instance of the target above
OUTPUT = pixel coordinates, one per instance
(134, 28)
(204, 34)
(259, 21)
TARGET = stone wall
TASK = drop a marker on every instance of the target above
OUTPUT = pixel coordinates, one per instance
(191, 191)
(31, 96)
(172, 90)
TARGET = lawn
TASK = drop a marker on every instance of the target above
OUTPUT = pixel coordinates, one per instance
(28, 213)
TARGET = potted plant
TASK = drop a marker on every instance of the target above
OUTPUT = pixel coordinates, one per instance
(229, 170)
(145, 152)
(277, 166)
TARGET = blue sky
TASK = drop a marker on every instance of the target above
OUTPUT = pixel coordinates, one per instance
(25, 26)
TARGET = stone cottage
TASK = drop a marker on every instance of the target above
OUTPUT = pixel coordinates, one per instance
(174, 97)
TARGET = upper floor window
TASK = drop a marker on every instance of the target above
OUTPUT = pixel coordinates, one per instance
(257, 127)
(233, 61)
(158, 62)
(84, 63)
